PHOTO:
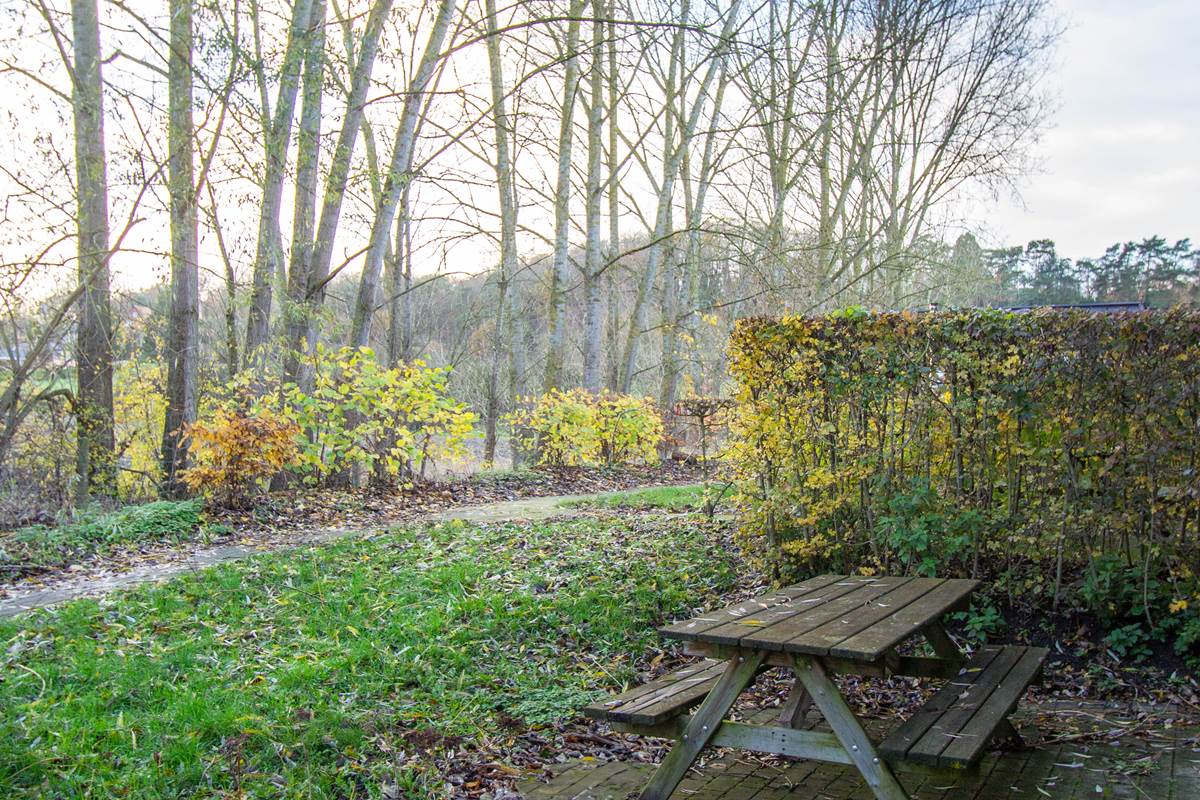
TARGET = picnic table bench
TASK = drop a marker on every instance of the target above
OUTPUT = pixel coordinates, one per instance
(831, 624)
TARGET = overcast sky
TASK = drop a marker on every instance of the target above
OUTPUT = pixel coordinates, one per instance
(1122, 158)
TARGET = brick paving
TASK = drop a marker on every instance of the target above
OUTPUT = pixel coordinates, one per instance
(1145, 770)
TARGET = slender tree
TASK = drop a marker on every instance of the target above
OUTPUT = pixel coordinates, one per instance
(95, 460)
(269, 251)
(673, 157)
(508, 230)
(559, 275)
(183, 331)
(398, 177)
(593, 299)
(304, 206)
(301, 329)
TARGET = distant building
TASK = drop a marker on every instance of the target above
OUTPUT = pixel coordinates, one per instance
(1100, 308)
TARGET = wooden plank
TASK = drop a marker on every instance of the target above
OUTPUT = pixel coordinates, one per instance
(943, 646)
(895, 628)
(795, 707)
(855, 742)
(692, 628)
(878, 668)
(923, 667)
(602, 707)
(819, 640)
(791, 742)
(732, 633)
(777, 740)
(990, 718)
(738, 673)
(782, 634)
(928, 749)
(661, 698)
(684, 696)
(898, 743)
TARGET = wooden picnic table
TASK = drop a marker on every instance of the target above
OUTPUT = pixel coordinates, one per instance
(825, 625)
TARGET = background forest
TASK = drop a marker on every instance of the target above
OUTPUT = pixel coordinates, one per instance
(218, 204)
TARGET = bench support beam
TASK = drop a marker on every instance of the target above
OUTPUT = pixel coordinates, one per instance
(941, 642)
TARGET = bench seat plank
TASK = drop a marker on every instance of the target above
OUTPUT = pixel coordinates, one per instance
(662, 699)
(1000, 703)
(953, 729)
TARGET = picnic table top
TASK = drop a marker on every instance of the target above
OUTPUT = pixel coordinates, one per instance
(852, 617)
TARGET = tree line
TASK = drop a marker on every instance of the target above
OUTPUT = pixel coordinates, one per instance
(539, 194)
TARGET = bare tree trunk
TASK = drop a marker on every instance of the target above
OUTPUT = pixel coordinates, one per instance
(183, 333)
(398, 178)
(269, 251)
(612, 269)
(557, 308)
(674, 318)
(400, 288)
(95, 457)
(305, 205)
(303, 323)
(673, 158)
(593, 322)
(508, 232)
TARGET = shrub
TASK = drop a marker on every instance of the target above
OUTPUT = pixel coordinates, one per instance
(630, 428)
(1054, 451)
(577, 428)
(235, 454)
(385, 422)
(360, 419)
(139, 407)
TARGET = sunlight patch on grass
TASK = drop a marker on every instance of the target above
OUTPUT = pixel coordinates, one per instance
(670, 498)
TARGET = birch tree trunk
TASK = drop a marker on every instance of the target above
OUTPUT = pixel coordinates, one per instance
(612, 268)
(95, 458)
(559, 276)
(183, 332)
(304, 207)
(302, 327)
(398, 177)
(269, 250)
(593, 319)
(508, 231)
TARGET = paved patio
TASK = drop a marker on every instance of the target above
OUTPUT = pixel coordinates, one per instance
(1154, 770)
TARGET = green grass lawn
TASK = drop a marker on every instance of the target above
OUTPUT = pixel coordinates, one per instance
(689, 497)
(300, 674)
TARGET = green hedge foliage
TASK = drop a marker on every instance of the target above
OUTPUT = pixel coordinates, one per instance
(1054, 453)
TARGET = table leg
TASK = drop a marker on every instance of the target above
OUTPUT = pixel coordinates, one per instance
(704, 723)
(849, 732)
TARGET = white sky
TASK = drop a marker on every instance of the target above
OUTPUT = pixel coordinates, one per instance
(1122, 158)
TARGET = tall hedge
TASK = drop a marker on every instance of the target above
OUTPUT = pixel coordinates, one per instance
(1044, 449)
